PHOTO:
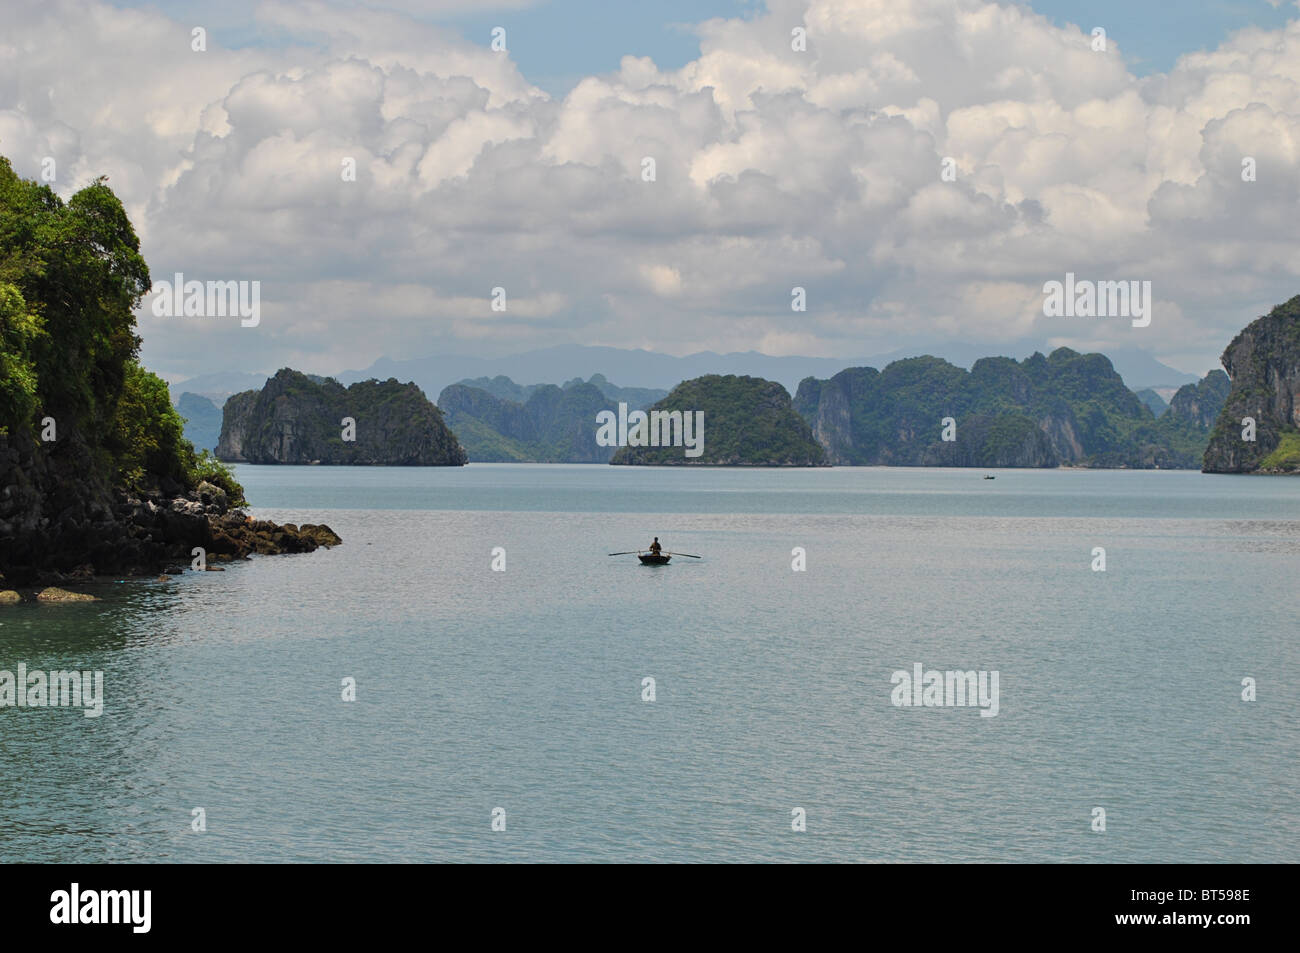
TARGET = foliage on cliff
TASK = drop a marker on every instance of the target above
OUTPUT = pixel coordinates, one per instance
(71, 276)
(748, 421)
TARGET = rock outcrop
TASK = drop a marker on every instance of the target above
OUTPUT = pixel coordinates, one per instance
(55, 594)
(1263, 363)
(58, 523)
(297, 419)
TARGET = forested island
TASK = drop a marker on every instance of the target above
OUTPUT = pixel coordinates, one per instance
(296, 418)
(1045, 411)
(747, 421)
(97, 477)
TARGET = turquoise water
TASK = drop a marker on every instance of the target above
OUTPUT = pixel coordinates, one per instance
(522, 689)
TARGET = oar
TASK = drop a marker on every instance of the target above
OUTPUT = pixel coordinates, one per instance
(628, 553)
(686, 554)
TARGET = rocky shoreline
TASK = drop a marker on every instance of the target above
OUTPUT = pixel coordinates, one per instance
(147, 535)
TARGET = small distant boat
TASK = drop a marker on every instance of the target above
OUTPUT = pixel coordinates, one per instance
(651, 558)
(987, 477)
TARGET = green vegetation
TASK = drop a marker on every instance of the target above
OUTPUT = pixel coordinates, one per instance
(1286, 456)
(552, 425)
(19, 331)
(1043, 411)
(71, 276)
(296, 418)
(748, 421)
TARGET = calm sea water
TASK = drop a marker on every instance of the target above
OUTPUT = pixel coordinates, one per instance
(522, 689)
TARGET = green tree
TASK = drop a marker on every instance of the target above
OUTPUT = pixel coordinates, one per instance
(71, 277)
(19, 332)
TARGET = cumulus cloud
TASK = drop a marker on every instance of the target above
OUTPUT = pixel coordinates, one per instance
(773, 168)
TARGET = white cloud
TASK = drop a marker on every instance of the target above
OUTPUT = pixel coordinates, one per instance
(774, 168)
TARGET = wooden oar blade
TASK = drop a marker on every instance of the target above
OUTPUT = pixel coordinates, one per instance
(630, 552)
(692, 555)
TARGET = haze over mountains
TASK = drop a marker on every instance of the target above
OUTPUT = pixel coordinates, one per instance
(649, 369)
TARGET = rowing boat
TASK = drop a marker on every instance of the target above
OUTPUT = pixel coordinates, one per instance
(651, 558)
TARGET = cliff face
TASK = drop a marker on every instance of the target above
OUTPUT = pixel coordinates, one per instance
(1263, 362)
(296, 419)
(1066, 408)
(56, 524)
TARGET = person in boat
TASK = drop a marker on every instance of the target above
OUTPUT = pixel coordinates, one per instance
(655, 547)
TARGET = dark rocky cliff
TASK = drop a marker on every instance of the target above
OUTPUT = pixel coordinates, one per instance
(1263, 362)
(298, 420)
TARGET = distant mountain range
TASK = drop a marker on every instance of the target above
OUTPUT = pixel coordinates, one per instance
(218, 387)
(1044, 411)
(638, 368)
(652, 370)
(202, 420)
(1063, 408)
(499, 421)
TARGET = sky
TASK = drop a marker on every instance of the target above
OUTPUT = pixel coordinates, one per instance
(775, 169)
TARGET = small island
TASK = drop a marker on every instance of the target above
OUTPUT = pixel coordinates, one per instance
(299, 419)
(748, 421)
